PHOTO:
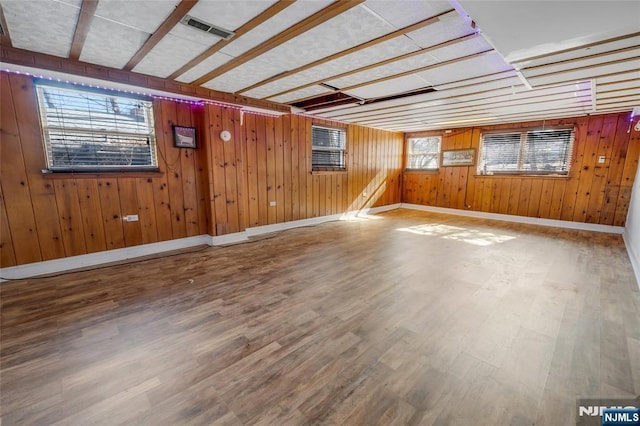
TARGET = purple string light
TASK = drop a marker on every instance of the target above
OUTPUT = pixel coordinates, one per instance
(199, 102)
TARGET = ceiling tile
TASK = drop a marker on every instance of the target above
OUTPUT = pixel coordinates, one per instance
(467, 47)
(229, 15)
(349, 29)
(111, 44)
(168, 55)
(448, 27)
(380, 52)
(469, 68)
(31, 25)
(283, 20)
(389, 87)
(143, 15)
(211, 63)
(302, 93)
(410, 12)
(404, 65)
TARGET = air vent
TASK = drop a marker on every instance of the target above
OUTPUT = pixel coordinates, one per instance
(207, 28)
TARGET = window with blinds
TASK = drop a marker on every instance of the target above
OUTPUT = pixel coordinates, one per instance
(95, 130)
(328, 145)
(423, 153)
(532, 152)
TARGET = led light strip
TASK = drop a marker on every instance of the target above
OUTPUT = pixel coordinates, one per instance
(198, 102)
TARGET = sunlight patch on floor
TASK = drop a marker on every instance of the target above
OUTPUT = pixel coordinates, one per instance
(448, 232)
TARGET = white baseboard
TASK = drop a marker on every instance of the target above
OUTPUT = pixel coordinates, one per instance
(99, 258)
(519, 219)
(94, 259)
(633, 256)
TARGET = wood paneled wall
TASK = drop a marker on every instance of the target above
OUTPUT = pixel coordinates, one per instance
(592, 193)
(219, 188)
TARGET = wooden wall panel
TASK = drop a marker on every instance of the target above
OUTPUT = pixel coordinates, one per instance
(593, 192)
(219, 188)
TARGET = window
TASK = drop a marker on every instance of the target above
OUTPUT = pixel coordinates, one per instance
(533, 152)
(423, 153)
(328, 148)
(95, 130)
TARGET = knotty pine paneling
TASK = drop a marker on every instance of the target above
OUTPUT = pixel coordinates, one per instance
(218, 188)
(592, 193)
(53, 216)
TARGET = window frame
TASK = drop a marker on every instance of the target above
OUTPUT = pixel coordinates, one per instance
(408, 153)
(47, 128)
(522, 150)
(342, 151)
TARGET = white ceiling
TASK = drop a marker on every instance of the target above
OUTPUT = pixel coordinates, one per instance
(572, 58)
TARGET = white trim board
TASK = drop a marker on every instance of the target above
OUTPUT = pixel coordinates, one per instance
(104, 257)
(519, 219)
(633, 257)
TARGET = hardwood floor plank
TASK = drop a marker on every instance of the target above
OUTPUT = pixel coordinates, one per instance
(404, 318)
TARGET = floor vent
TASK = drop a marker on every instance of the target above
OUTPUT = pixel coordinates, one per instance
(198, 24)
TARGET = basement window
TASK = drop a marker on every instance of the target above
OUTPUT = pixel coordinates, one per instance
(424, 153)
(526, 152)
(95, 130)
(328, 148)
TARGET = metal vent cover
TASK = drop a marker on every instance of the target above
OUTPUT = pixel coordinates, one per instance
(201, 25)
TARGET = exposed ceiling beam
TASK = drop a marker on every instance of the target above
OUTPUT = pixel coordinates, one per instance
(633, 59)
(469, 89)
(85, 17)
(378, 64)
(5, 38)
(39, 62)
(581, 47)
(421, 69)
(178, 13)
(405, 73)
(273, 10)
(458, 111)
(381, 39)
(331, 11)
(582, 58)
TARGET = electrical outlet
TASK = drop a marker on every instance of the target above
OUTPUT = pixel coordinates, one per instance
(602, 159)
(131, 218)
(272, 203)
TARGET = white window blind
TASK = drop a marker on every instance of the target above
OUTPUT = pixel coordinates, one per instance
(92, 130)
(328, 148)
(527, 152)
(424, 153)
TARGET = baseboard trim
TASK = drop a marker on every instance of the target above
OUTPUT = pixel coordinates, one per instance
(94, 259)
(519, 219)
(117, 255)
(633, 257)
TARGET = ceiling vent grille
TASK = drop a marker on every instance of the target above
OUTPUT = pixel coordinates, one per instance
(198, 24)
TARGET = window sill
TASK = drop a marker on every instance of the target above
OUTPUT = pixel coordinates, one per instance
(329, 172)
(422, 171)
(101, 174)
(519, 176)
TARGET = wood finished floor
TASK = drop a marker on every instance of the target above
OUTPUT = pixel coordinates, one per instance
(410, 318)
